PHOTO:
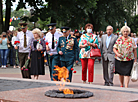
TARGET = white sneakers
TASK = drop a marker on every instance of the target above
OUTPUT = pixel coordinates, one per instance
(3, 67)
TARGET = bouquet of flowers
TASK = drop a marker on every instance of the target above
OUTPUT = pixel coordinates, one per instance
(25, 67)
(16, 43)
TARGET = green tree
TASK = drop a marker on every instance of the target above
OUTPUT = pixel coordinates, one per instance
(19, 14)
(1, 17)
(75, 13)
(7, 14)
(107, 13)
(134, 24)
(64, 12)
(70, 12)
(130, 9)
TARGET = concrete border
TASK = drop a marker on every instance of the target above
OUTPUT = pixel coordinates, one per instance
(88, 86)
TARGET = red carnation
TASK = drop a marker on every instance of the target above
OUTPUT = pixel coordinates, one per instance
(74, 72)
(16, 42)
(22, 68)
(72, 69)
(47, 43)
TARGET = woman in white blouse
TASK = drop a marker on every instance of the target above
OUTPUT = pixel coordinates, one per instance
(15, 50)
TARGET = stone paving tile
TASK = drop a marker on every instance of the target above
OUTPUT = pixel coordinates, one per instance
(37, 95)
(98, 75)
(6, 85)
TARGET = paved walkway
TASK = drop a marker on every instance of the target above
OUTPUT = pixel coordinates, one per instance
(13, 88)
(27, 90)
(98, 75)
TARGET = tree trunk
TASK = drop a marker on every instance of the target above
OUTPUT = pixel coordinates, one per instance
(53, 20)
(8, 14)
(53, 5)
(1, 18)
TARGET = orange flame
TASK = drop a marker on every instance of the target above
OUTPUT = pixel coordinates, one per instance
(68, 91)
(62, 73)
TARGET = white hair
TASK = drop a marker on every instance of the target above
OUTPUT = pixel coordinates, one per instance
(109, 26)
(37, 31)
(125, 27)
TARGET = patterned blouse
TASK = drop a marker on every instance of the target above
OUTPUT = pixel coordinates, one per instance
(33, 45)
(125, 48)
(85, 52)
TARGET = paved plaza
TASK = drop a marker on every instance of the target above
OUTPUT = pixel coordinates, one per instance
(16, 89)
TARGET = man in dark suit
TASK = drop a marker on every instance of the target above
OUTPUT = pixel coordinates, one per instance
(107, 42)
(67, 48)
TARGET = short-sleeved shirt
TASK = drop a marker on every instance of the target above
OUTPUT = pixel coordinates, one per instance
(4, 45)
(85, 52)
(29, 38)
(49, 40)
(135, 39)
(125, 48)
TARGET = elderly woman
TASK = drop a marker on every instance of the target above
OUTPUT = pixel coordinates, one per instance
(125, 55)
(36, 53)
(87, 41)
(4, 49)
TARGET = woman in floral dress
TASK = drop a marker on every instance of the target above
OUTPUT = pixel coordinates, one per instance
(125, 56)
(87, 41)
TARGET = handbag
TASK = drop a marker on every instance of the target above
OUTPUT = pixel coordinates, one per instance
(95, 52)
(134, 76)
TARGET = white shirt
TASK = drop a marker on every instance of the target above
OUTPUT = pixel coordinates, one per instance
(135, 39)
(29, 38)
(48, 39)
(14, 38)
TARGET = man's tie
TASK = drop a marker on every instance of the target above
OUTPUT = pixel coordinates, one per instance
(66, 38)
(53, 45)
(25, 43)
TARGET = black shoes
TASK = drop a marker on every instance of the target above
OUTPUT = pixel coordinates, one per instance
(111, 84)
(108, 84)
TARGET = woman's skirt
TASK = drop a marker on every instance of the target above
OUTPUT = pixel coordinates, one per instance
(123, 67)
(37, 63)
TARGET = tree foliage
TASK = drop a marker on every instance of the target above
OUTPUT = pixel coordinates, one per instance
(74, 13)
(108, 12)
(65, 12)
(134, 24)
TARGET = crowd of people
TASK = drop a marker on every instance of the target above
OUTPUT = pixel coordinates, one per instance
(65, 47)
